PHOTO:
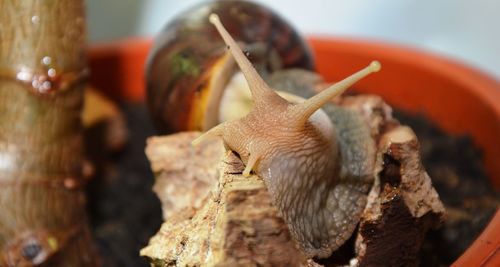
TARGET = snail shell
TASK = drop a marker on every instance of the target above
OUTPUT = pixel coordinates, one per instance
(188, 65)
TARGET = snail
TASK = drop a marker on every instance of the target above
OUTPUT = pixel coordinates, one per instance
(317, 163)
(188, 69)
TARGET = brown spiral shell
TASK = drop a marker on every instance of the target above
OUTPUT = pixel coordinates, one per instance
(189, 51)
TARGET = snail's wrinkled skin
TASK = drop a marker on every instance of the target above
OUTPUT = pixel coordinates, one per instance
(316, 169)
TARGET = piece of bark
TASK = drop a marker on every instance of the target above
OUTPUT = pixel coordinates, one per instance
(402, 204)
(236, 226)
(184, 174)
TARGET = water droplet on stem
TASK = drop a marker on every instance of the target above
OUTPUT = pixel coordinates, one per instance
(35, 19)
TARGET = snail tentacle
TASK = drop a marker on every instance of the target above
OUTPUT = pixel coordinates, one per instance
(259, 89)
(301, 112)
(216, 131)
(252, 162)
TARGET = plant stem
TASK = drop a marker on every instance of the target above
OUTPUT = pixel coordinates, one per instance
(42, 76)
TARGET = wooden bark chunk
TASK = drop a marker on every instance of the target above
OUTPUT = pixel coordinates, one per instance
(236, 226)
(184, 174)
(401, 207)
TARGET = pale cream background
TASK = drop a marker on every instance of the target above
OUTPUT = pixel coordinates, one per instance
(467, 30)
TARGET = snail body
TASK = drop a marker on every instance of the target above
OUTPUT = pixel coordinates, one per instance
(308, 160)
(187, 67)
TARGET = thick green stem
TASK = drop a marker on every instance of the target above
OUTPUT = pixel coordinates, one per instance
(42, 72)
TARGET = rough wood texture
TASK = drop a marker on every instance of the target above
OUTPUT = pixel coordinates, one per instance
(232, 221)
(42, 69)
(173, 157)
(402, 204)
(236, 224)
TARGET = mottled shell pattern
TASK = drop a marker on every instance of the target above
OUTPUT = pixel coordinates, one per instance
(188, 53)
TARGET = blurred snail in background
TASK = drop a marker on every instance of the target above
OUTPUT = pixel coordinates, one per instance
(316, 158)
(188, 68)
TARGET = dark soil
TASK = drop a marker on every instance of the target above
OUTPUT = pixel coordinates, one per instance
(125, 213)
(455, 166)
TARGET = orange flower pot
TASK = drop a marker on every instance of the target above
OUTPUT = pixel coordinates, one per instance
(459, 99)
